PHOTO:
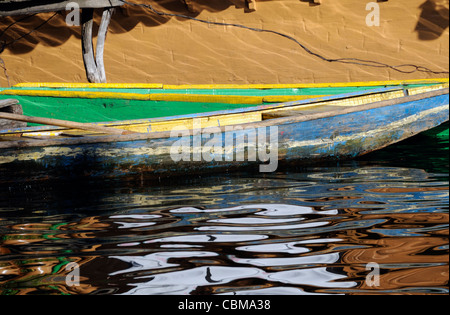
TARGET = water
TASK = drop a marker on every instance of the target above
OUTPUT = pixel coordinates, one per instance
(378, 225)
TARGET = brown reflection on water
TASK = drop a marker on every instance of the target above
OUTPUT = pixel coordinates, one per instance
(412, 261)
(406, 190)
(42, 270)
(405, 262)
(43, 276)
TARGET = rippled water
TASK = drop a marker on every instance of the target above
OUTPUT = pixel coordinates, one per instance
(299, 231)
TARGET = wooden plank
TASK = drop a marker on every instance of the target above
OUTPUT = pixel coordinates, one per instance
(281, 113)
(8, 102)
(11, 106)
(19, 7)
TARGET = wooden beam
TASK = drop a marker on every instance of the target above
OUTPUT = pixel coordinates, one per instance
(11, 106)
(281, 113)
(8, 102)
(101, 38)
(251, 5)
(93, 61)
(87, 20)
(21, 7)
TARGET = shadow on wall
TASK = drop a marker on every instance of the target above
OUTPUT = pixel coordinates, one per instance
(56, 32)
(433, 21)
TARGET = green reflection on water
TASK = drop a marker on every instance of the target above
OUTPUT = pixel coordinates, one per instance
(428, 151)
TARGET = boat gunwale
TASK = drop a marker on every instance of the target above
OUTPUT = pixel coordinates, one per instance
(162, 92)
(55, 85)
(18, 144)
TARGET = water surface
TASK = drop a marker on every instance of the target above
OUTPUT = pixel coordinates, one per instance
(309, 230)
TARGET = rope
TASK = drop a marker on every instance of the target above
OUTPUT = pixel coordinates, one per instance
(354, 61)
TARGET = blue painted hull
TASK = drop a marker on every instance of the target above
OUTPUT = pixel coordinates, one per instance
(338, 135)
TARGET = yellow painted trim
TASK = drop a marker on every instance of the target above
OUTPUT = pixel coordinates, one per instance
(91, 85)
(75, 94)
(303, 86)
(227, 86)
(225, 99)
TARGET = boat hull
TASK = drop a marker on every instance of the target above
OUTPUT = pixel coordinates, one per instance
(331, 136)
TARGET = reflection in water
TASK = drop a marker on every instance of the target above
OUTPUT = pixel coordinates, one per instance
(307, 231)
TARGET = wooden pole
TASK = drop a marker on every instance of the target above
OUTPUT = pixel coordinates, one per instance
(87, 20)
(93, 60)
(65, 124)
(101, 38)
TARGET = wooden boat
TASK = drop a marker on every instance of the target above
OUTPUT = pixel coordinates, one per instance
(209, 128)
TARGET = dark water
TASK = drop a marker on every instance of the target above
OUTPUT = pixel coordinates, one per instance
(299, 231)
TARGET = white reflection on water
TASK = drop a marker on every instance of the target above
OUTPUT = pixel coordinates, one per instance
(262, 228)
(202, 238)
(186, 281)
(288, 247)
(264, 209)
(304, 260)
(156, 260)
(231, 226)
